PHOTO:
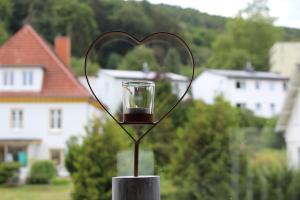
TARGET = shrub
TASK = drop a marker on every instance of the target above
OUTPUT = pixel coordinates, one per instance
(41, 172)
(8, 171)
(96, 163)
(60, 181)
(71, 159)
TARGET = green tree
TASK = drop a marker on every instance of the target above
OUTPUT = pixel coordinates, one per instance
(269, 181)
(248, 119)
(248, 37)
(37, 13)
(293, 191)
(161, 21)
(3, 33)
(135, 59)
(172, 60)
(161, 139)
(78, 67)
(96, 163)
(202, 164)
(136, 21)
(114, 60)
(201, 36)
(76, 19)
(5, 10)
(40, 16)
(57, 17)
(74, 151)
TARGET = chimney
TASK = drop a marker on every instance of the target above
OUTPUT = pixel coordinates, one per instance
(63, 49)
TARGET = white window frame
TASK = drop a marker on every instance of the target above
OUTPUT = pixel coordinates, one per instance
(55, 119)
(17, 119)
(8, 78)
(272, 85)
(258, 107)
(257, 85)
(27, 78)
(285, 86)
(60, 152)
(242, 84)
(241, 105)
(272, 108)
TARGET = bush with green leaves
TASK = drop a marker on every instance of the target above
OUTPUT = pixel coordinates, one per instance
(207, 152)
(8, 171)
(78, 69)
(41, 172)
(96, 162)
(135, 59)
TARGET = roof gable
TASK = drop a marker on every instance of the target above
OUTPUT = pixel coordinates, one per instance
(26, 47)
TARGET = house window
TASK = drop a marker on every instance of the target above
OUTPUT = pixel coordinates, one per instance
(8, 78)
(257, 107)
(272, 86)
(257, 85)
(272, 108)
(17, 119)
(17, 154)
(56, 119)
(241, 105)
(56, 155)
(285, 86)
(240, 84)
(27, 78)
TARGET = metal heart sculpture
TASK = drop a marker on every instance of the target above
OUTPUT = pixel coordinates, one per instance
(137, 42)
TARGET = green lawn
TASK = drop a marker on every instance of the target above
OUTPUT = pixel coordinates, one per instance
(38, 192)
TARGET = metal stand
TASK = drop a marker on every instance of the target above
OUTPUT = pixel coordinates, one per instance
(136, 188)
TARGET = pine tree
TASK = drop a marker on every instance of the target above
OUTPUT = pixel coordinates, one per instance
(203, 162)
(97, 163)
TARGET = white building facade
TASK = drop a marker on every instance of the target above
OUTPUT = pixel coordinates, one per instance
(108, 84)
(41, 102)
(284, 56)
(261, 92)
(289, 120)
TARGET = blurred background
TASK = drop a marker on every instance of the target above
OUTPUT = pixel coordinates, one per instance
(234, 136)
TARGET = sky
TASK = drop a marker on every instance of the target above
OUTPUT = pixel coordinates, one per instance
(286, 12)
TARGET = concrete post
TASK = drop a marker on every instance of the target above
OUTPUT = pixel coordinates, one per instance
(136, 188)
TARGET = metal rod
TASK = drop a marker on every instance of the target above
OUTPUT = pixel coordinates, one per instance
(136, 159)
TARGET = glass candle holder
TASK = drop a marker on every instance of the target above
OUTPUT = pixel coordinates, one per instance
(138, 102)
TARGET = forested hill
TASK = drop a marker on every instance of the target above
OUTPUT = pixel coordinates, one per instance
(190, 17)
(193, 18)
(83, 20)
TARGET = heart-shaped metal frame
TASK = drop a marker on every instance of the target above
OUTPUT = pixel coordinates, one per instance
(139, 42)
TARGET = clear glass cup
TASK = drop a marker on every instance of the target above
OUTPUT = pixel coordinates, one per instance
(138, 101)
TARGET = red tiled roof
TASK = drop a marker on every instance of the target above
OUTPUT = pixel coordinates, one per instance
(26, 47)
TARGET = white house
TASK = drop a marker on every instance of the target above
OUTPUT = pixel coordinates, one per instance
(108, 84)
(284, 56)
(41, 102)
(289, 120)
(261, 92)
